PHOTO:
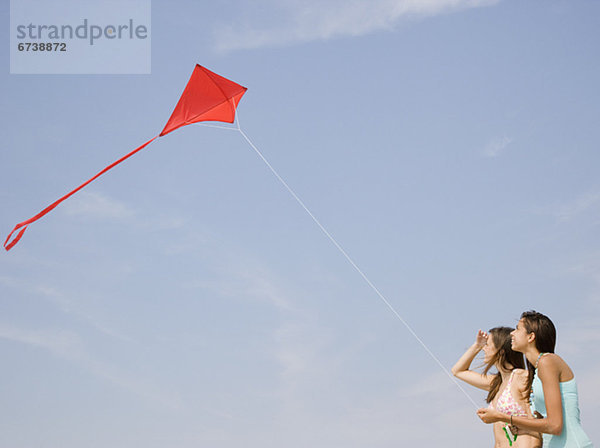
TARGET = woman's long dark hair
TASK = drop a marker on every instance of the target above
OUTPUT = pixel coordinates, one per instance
(505, 356)
(545, 337)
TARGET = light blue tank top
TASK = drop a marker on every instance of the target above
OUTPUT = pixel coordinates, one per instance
(572, 435)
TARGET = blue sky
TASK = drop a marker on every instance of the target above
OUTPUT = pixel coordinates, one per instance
(186, 299)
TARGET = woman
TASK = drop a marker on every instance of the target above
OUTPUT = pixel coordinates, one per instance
(554, 391)
(506, 389)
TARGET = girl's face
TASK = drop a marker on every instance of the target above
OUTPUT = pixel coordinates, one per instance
(489, 349)
(519, 337)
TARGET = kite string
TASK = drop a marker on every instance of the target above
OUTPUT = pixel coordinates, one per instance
(229, 128)
(362, 274)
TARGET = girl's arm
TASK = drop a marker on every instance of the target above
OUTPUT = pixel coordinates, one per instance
(548, 372)
(461, 368)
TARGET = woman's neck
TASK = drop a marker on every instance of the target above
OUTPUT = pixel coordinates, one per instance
(532, 354)
(504, 370)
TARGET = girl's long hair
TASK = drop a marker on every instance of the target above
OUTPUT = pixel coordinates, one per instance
(545, 337)
(504, 357)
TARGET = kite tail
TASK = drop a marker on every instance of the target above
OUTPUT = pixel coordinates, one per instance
(23, 225)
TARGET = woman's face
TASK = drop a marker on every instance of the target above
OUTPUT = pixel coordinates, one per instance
(519, 337)
(489, 349)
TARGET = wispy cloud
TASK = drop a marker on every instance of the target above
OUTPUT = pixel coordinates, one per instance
(433, 384)
(69, 346)
(379, 418)
(97, 206)
(66, 303)
(301, 351)
(579, 205)
(61, 343)
(297, 21)
(238, 275)
(496, 146)
(578, 336)
(589, 267)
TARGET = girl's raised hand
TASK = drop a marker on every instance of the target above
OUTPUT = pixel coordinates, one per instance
(481, 339)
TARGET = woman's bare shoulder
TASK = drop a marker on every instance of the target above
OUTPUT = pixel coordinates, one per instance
(521, 373)
(557, 364)
(549, 359)
(553, 365)
(521, 377)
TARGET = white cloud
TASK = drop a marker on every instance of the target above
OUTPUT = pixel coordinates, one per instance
(69, 346)
(314, 392)
(299, 350)
(588, 267)
(496, 146)
(66, 303)
(584, 207)
(578, 336)
(242, 277)
(405, 416)
(580, 205)
(296, 21)
(97, 206)
(60, 343)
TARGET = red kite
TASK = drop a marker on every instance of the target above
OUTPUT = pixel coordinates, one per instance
(206, 97)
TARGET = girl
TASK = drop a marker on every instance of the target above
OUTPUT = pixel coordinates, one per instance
(554, 391)
(506, 389)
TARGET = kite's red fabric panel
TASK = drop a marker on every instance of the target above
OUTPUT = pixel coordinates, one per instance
(206, 97)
